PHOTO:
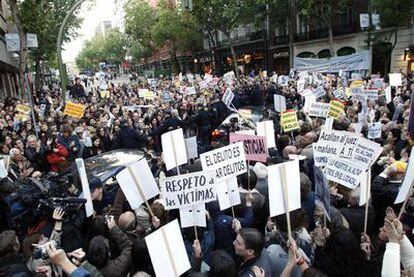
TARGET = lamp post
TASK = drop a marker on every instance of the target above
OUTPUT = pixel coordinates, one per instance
(62, 70)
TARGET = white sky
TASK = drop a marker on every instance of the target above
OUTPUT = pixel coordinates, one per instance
(103, 10)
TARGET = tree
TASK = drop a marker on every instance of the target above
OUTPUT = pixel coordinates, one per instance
(42, 17)
(394, 14)
(325, 12)
(111, 48)
(177, 30)
(227, 15)
(140, 18)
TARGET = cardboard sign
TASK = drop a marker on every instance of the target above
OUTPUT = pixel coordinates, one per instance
(173, 147)
(408, 180)
(149, 95)
(327, 147)
(23, 109)
(372, 94)
(74, 110)
(4, 173)
(374, 130)
(319, 92)
(142, 92)
(246, 113)
(377, 83)
(328, 124)
(388, 95)
(365, 179)
(191, 147)
(319, 109)
(254, 146)
(280, 103)
(228, 161)
(193, 216)
(85, 186)
(357, 83)
(266, 129)
(276, 187)
(395, 79)
(166, 96)
(283, 80)
(359, 94)
(343, 172)
(105, 94)
(228, 97)
(322, 194)
(167, 250)
(339, 93)
(336, 108)
(289, 121)
(228, 193)
(188, 189)
(364, 152)
(137, 183)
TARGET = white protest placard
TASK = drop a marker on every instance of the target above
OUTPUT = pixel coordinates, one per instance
(191, 147)
(327, 147)
(408, 181)
(306, 92)
(85, 186)
(388, 95)
(255, 147)
(228, 193)
(3, 171)
(372, 94)
(343, 172)
(348, 144)
(363, 188)
(167, 250)
(374, 130)
(377, 83)
(276, 187)
(173, 147)
(31, 40)
(137, 183)
(190, 91)
(328, 123)
(228, 161)
(188, 189)
(280, 103)
(339, 93)
(266, 129)
(319, 109)
(358, 128)
(319, 92)
(283, 80)
(142, 92)
(194, 215)
(301, 85)
(309, 99)
(365, 152)
(362, 117)
(358, 94)
(228, 97)
(246, 132)
(395, 79)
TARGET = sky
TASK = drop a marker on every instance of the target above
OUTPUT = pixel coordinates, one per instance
(91, 17)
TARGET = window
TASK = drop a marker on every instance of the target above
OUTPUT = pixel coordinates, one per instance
(306, 54)
(325, 53)
(346, 51)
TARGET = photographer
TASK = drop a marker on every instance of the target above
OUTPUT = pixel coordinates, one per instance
(99, 253)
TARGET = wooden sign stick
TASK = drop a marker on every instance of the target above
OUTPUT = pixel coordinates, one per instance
(286, 199)
(141, 193)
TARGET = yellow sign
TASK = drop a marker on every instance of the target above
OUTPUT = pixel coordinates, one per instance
(23, 109)
(357, 83)
(336, 107)
(105, 94)
(21, 117)
(289, 121)
(74, 110)
(149, 95)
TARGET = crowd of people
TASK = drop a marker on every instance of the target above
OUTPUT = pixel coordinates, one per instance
(38, 239)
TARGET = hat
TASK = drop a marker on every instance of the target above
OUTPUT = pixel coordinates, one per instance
(95, 183)
(400, 166)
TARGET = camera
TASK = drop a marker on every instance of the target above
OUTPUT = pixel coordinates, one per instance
(40, 252)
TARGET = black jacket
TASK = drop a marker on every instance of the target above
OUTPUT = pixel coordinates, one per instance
(128, 138)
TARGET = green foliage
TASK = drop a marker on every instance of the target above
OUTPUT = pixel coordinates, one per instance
(396, 13)
(111, 49)
(43, 17)
(323, 11)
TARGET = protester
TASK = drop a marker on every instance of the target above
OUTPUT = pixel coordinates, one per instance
(39, 183)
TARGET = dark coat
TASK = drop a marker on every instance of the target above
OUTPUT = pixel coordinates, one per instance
(128, 138)
(36, 159)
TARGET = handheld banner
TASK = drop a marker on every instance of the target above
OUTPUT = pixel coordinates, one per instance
(289, 121)
(254, 146)
(319, 109)
(228, 193)
(266, 129)
(173, 147)
(193, 216)
(336, 108)
(188, 189)
(74, 110)
(280, 103)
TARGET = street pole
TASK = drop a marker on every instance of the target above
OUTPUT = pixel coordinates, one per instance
(267, 40)
(62, 71)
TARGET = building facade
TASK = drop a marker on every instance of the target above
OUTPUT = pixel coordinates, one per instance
(103, 28)
(8, 61)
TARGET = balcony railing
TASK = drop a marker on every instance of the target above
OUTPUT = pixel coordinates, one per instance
(324, 33)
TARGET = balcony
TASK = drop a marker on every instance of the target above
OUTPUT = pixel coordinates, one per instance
(280, 39)
(324, 33)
